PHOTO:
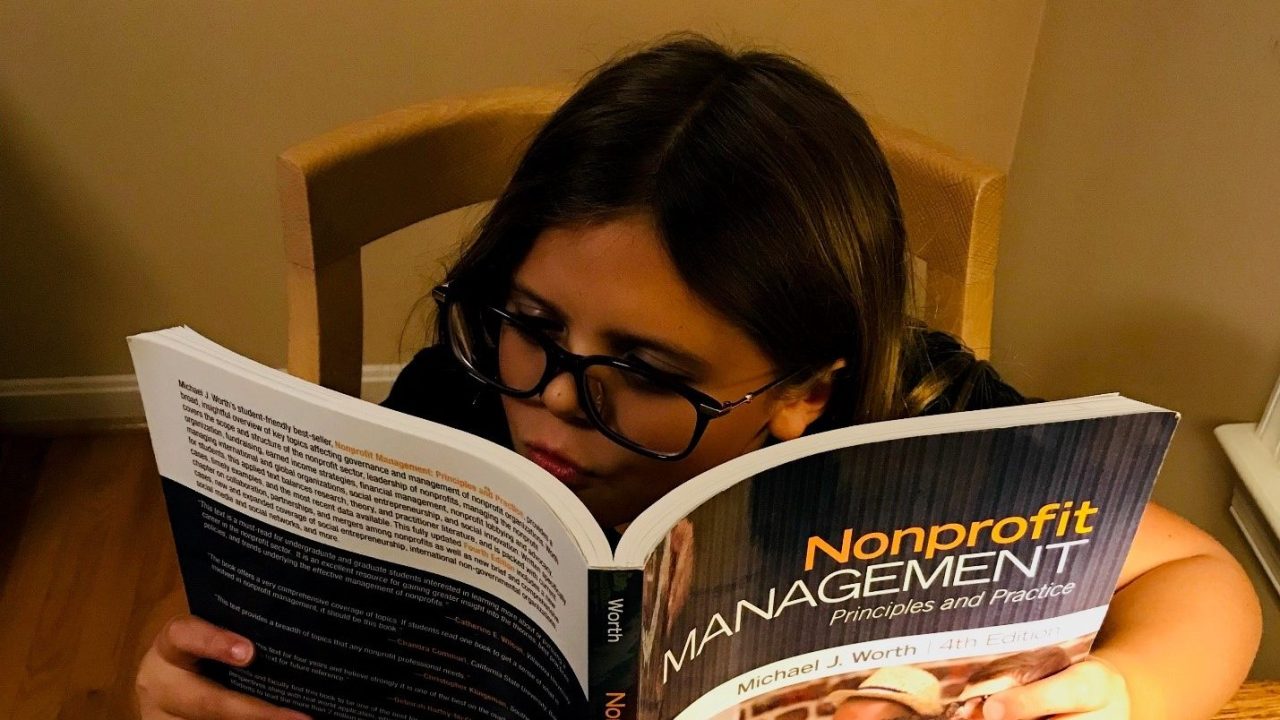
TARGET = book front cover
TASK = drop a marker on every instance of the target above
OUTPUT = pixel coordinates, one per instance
(904, 573)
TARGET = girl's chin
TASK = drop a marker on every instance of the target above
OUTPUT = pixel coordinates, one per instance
(608, 512)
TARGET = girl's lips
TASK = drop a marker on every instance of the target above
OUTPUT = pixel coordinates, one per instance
(559, 466)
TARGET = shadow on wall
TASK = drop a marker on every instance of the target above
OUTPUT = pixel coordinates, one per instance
(1176, 353)
(1169, 351)
(51, 228)
(1157, 349)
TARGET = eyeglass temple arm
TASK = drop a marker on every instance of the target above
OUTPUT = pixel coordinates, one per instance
(719, 409)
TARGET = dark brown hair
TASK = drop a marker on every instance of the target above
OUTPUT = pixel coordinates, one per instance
(772, 198)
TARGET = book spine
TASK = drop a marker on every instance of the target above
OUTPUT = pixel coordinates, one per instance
(613, 631)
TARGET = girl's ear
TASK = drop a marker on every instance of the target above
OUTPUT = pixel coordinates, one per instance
(800, 406)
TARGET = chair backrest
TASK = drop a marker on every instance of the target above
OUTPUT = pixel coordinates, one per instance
(344, 189)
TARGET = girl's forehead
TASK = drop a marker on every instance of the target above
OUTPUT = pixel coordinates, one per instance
(617, 277)
(626, 250)
(614, 272)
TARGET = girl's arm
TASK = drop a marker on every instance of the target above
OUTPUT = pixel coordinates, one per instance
(1177, 642)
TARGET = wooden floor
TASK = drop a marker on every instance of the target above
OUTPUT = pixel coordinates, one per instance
(88, 575)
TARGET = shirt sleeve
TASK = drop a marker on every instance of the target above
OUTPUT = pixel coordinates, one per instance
(436, 387)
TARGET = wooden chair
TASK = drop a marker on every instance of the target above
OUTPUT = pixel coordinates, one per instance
(349, 187)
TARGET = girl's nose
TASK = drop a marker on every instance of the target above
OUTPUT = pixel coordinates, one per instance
(560, 396)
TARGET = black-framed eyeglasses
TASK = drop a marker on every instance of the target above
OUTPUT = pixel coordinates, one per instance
(636, 406)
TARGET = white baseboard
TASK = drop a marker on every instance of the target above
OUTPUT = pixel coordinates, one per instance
(114, 399)
(376, 380)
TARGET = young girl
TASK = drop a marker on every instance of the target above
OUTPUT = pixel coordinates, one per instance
(702, 252)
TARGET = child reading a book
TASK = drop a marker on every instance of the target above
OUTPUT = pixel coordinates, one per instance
(703, 252)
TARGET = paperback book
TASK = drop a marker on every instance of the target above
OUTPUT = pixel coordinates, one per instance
(387, 567)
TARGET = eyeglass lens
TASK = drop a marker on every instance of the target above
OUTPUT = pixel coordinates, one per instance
(625, 402)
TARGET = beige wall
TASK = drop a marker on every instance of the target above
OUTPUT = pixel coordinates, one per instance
(1141, 245)
(137, 140)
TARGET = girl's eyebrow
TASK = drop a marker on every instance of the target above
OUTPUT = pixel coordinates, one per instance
(518, 289)
(686, 360)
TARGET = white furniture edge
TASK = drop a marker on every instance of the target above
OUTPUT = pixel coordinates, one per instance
(1255, 502)
(114, 399)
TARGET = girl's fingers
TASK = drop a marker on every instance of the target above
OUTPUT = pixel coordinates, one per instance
(1086, 687)
(187, 639)
(169, 688)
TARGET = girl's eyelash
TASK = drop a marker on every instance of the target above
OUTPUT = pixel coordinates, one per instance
(661, 372)
(531, 314)
(548, 324)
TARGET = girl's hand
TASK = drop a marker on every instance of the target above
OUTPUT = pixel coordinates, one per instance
(1089, 690)
(170, 687)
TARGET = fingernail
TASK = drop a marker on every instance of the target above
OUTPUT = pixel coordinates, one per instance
(992, 710)
(240, 651)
